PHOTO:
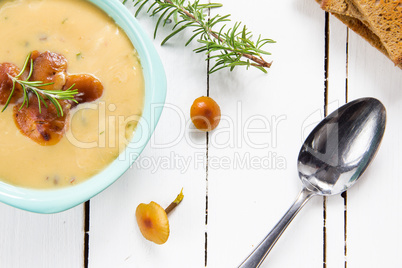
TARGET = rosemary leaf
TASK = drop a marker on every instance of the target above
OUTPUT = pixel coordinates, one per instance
(9, 97)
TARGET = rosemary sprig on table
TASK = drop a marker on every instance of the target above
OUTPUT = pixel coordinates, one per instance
(228, 47)
(35, 87)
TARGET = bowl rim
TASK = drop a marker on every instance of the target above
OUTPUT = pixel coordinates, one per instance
(57, 200)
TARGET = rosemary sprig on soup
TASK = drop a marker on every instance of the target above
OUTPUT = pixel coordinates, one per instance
(35, 87)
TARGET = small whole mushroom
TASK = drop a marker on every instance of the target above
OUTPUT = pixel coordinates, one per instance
(205, 113)
(153, 221)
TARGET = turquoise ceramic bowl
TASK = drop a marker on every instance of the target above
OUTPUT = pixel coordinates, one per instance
(51, 201)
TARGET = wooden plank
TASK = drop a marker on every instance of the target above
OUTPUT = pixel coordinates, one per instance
(277, 109)
(374, 204)
(158, 175)
(336, 97)
(35, 240)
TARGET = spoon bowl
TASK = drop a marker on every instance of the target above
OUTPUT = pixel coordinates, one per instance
(331, 160)
(340, 148)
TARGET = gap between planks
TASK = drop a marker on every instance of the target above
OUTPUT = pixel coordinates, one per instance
(326, 68)
(206, 166)
(86, 233)
(344, 195)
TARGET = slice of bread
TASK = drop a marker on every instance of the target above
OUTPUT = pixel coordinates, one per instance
(385, 20)
(342, 7)
(362, 30)
(347, 12)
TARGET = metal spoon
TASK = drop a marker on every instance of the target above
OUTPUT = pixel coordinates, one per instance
(331, 160)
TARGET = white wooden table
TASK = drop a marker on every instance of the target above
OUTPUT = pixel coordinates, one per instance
(241, 178)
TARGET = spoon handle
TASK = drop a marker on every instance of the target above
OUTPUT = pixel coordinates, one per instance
(256, 258)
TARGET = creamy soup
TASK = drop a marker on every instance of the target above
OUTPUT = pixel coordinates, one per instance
(98, 131)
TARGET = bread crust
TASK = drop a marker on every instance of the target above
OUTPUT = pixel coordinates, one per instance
(334, 6)
(385, 20)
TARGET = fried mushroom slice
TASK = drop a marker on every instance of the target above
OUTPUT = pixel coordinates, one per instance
(89, 87)
(45, 127)
(6, 84)
(49, 67)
